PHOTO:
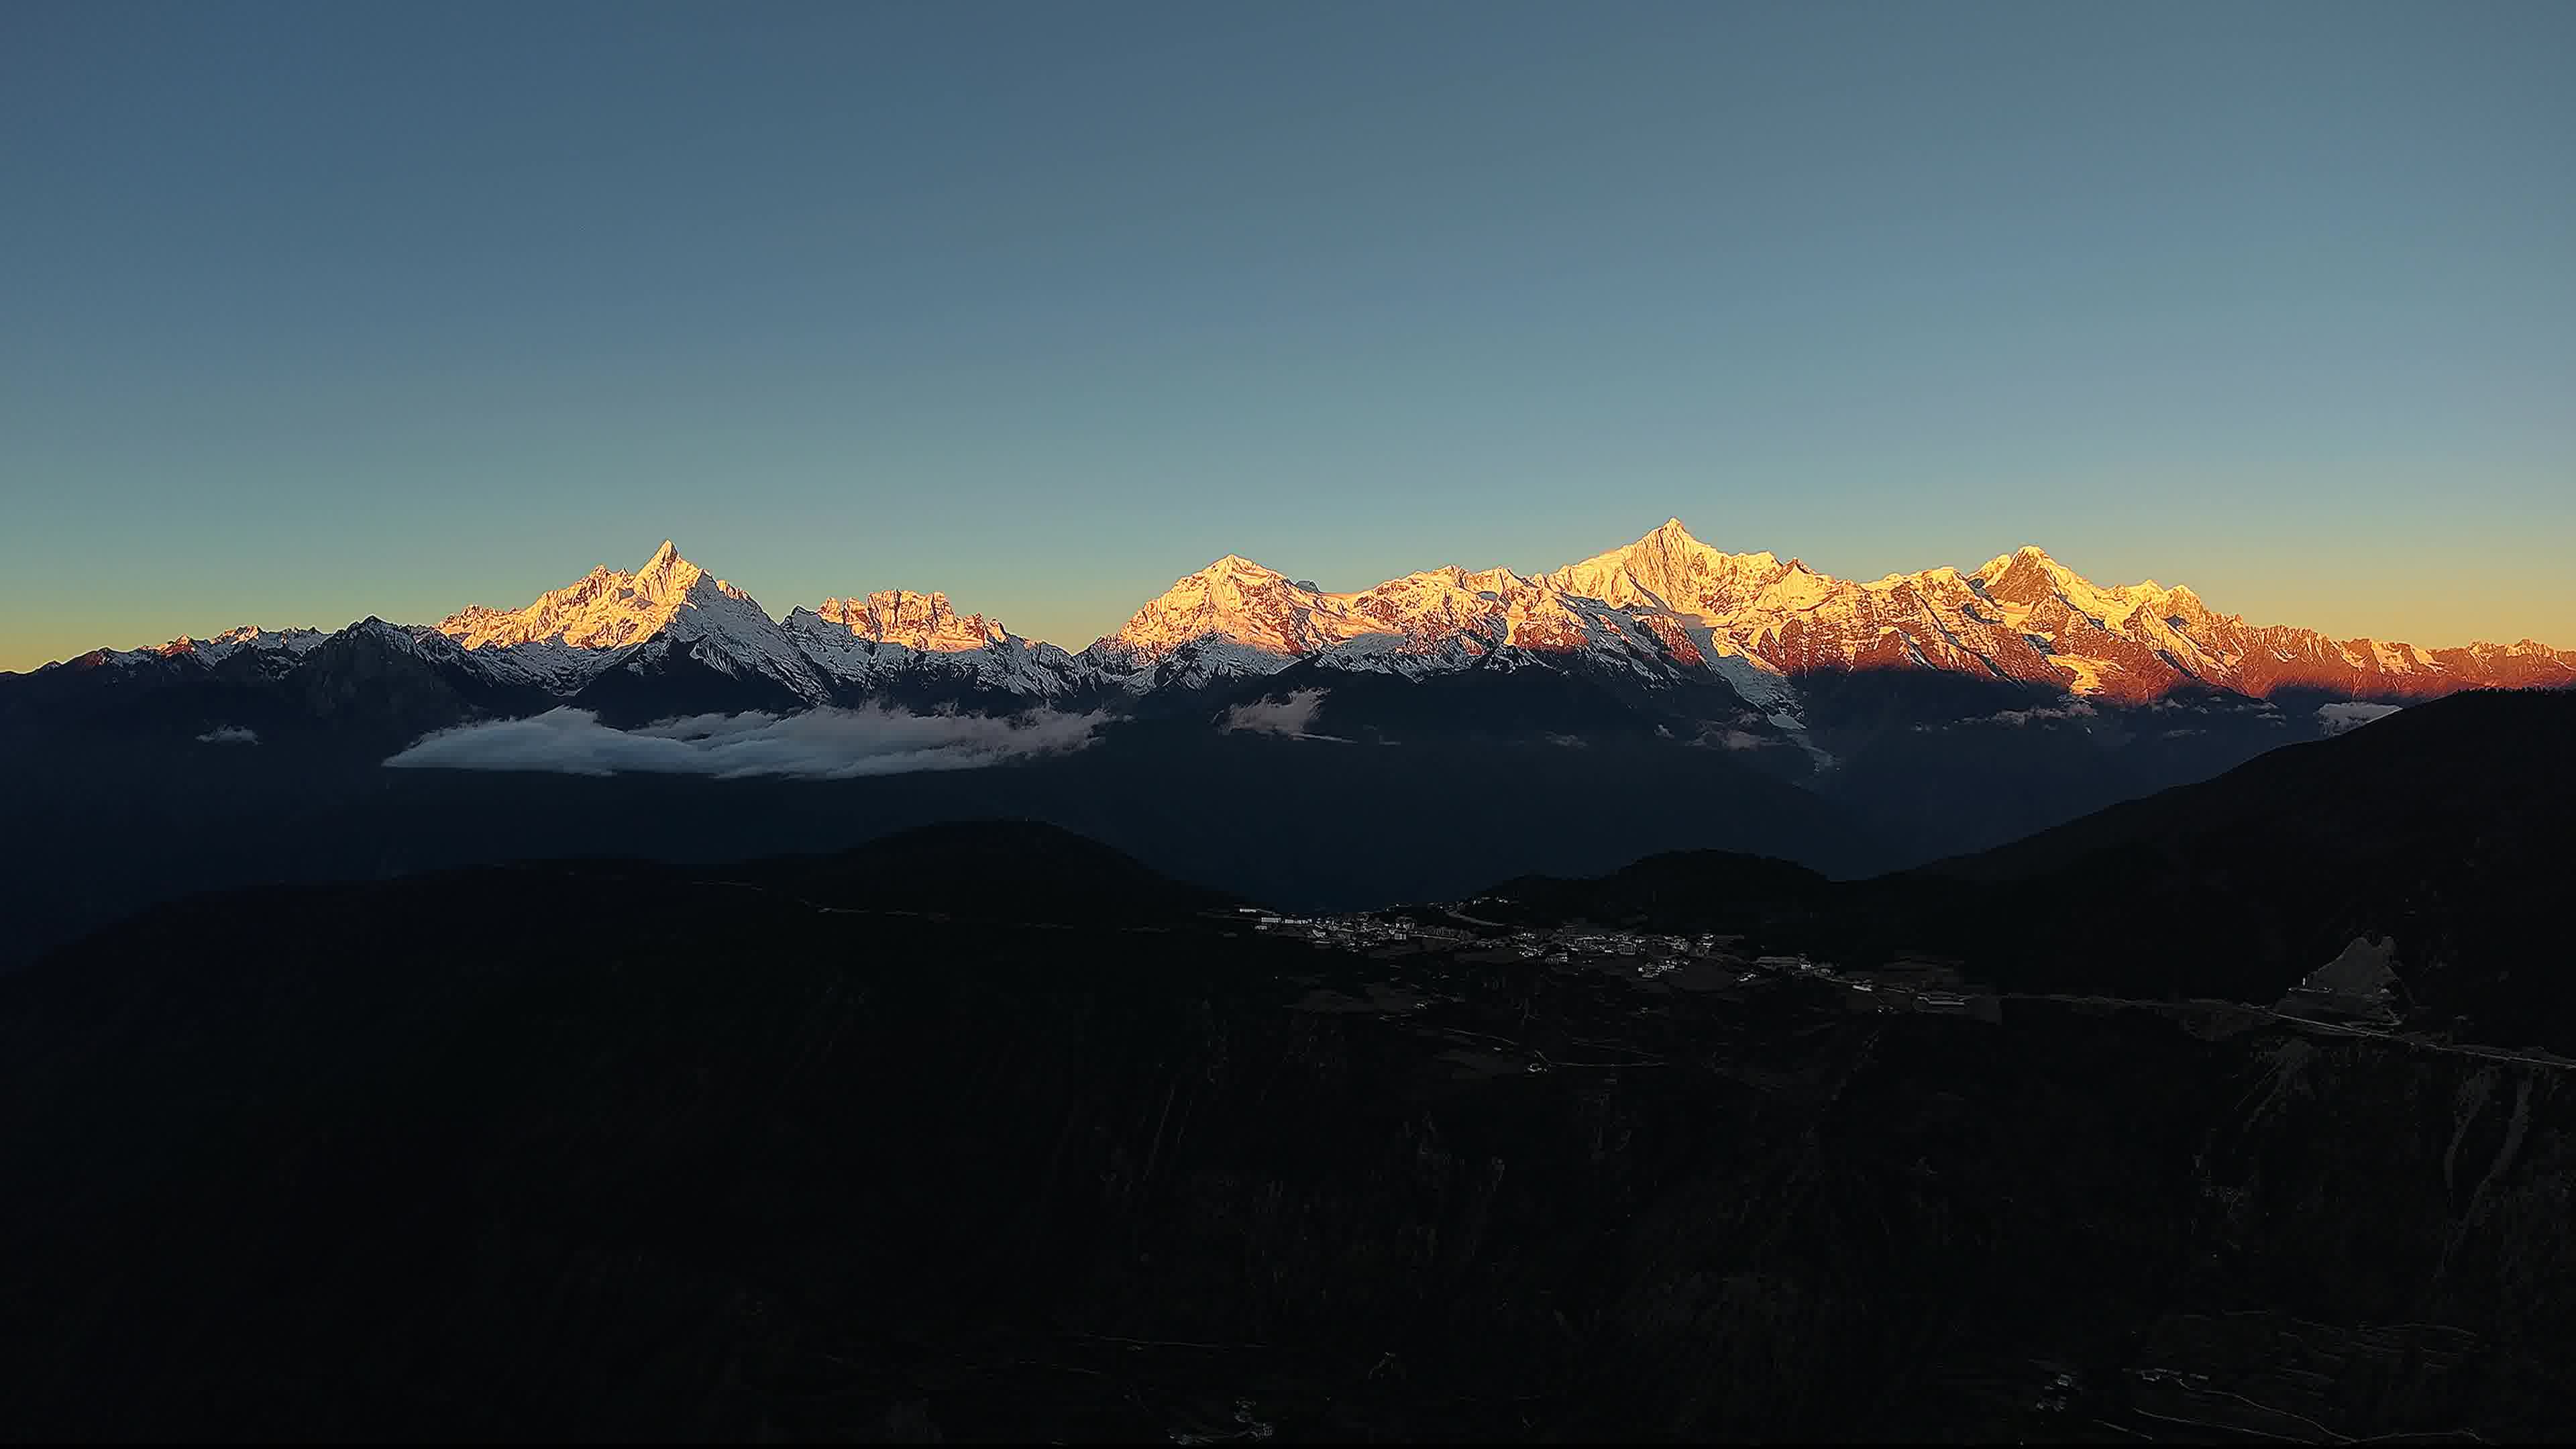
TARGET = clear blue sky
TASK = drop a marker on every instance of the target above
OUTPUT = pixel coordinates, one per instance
(308, 312)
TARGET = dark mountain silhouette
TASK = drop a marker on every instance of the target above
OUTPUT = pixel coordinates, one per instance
(2443, 826)
(987, 870)
(613, 1148)
(1309, 824)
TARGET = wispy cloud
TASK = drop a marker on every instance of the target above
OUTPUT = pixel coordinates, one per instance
(2072, 709)
(823, 744)
(229, 735)
(1294, 715)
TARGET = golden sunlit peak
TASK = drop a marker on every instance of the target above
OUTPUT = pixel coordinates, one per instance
(1235, 563)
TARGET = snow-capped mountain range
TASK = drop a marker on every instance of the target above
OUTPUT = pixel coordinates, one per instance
(1664, 611)
(271, 647)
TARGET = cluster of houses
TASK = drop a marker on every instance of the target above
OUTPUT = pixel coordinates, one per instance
(1901, 986)
(1358, 932)
(1556, 948)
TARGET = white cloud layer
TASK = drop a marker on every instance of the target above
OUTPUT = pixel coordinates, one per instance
(229, 735)
(821, 744)
(1291, 716)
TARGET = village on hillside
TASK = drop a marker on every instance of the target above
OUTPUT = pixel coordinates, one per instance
(1707, 962)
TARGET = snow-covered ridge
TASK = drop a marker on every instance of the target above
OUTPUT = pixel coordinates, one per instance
(915, 621)
(604, 609)
(285, 643)
(1666, 609)
(1237, 617)
(897, 636)
(2021, 616)
(273, 648)
(569, 636)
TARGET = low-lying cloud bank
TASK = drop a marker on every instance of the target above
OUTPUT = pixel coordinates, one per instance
(229, 735)
(821, 744)
(2072, 709)
(1292, 716)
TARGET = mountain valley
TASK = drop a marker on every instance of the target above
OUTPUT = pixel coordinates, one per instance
(1244, 730)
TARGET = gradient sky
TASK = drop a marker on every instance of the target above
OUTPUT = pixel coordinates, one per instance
(308, 312)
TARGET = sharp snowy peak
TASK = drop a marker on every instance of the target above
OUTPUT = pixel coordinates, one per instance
(608, 619)
(1670, 570)
(604, 609)
(892, 640)
(1232, 617)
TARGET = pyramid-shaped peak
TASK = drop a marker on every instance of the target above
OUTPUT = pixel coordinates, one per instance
(1673, 540)
(1233, 570)
(606, 607)
(1671, 533)
(667, 573)
(1667, 569)
(1235, 563)
(2028, 556)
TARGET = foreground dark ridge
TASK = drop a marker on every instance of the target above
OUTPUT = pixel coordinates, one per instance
(988, 1133)
(2440, 829)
